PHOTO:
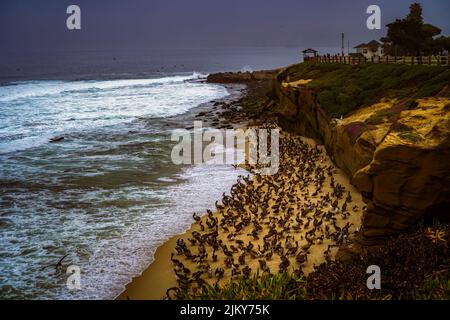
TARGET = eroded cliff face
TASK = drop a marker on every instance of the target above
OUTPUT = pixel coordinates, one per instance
(398, 157)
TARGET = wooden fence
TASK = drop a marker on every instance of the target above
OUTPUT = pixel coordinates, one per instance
(420, 60)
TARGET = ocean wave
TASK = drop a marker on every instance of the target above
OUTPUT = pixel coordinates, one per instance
(36, 111)
(104, 196)
(44, 88)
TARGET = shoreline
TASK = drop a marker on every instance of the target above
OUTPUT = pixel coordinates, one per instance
(207, 112)
(156, 278)
(159, 276)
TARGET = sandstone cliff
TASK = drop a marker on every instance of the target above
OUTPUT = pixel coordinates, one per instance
(397, 153)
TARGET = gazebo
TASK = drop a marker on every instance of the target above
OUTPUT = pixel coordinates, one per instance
(309, 53)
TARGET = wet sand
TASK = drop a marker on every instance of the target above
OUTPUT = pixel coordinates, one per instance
(156, 279)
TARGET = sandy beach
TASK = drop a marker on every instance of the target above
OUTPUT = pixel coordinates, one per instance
(282, 194)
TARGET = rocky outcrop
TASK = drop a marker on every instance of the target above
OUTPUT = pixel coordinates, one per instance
(398, 158)
(242, 77)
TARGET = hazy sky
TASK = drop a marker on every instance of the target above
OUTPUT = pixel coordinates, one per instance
(40, 25)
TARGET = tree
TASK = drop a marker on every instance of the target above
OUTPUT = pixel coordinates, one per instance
(411, 36)
(415, 13)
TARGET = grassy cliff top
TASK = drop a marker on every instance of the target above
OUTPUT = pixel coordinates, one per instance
(343, 88)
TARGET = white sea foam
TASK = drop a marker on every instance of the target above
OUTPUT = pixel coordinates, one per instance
(106, 197)
(33, 112)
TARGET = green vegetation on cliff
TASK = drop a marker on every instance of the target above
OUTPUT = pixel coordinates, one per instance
(343, 88)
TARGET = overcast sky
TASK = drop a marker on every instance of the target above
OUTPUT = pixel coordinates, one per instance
(40, 25)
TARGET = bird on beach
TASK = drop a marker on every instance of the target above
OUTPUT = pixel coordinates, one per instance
(214, 256)
(246, 272)
(301, 258)
(193, 242)
(263, 266)
(219, 273)
(284, 264)
(209, 271)
(242, 259)
(281, 218)
(235, 272)
(196, 217)
(169, 291)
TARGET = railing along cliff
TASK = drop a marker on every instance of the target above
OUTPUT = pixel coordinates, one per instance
(419, 60)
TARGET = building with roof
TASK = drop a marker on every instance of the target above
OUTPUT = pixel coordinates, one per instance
(372, 49)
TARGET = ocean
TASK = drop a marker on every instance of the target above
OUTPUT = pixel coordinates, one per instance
(108, 194)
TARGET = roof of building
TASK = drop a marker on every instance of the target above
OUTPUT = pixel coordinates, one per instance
(309, 50)
(362, 45)
(374, 44)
